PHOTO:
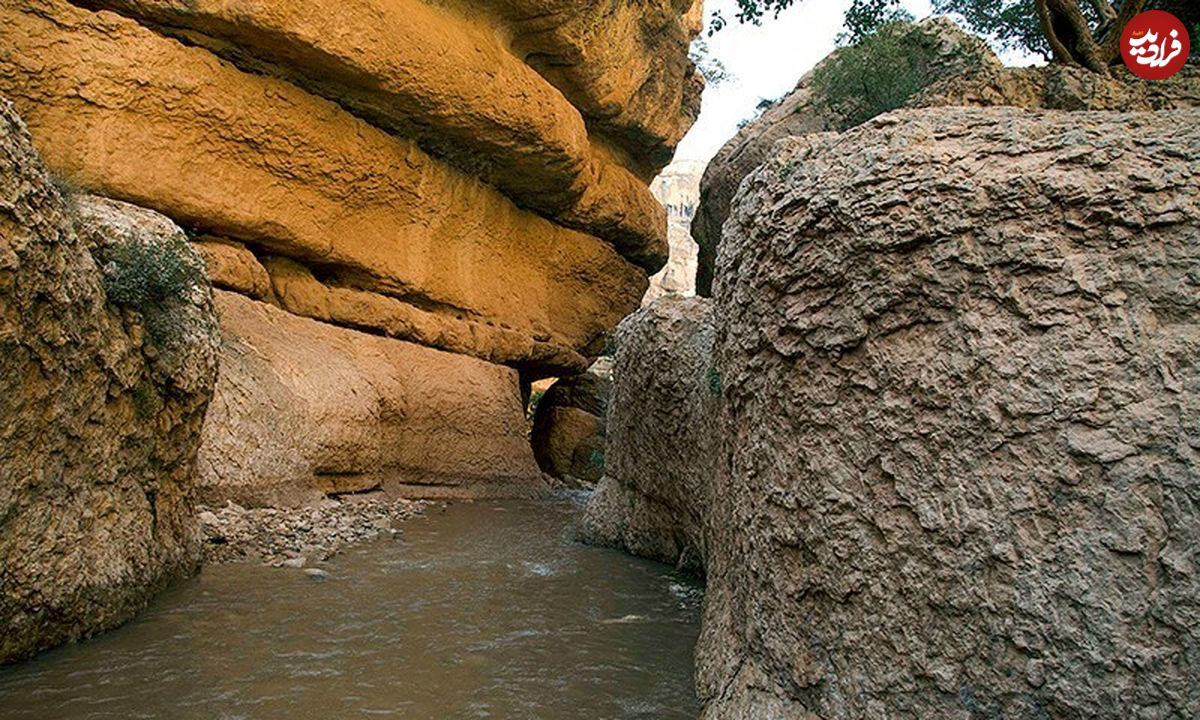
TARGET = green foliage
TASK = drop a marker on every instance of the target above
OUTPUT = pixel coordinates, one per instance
(866, 16)
(610, 346)
(1007, 24)
(154, 279)
(597, 459)
(716, 385)
(710, 67)
(878, 74)
(65, 186)
(750, 11)
(535, 398)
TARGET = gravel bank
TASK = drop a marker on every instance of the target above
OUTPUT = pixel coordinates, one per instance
(296, 537)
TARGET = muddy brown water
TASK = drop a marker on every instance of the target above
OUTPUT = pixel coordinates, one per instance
(485, 610)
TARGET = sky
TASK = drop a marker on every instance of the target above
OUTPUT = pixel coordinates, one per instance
(765, 62)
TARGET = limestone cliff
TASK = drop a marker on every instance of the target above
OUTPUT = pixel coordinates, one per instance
(663, 441)
(467, 176)
(678, 189)
(102, 396)
(963, 72)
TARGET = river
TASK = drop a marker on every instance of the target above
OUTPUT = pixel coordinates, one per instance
(480, 610)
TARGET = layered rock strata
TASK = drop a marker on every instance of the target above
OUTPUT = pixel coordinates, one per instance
(101, 405)
(351, 412)
(677, 187)
(468, 177)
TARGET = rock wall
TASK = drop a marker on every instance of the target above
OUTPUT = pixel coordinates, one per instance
(662, 440)
(569, 427)
(100, 407)
(961, 408)
(965, 73)
(467, 176)
(305, 409)
(678, 189)
(800, 112)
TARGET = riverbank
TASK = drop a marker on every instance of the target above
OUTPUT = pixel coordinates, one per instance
(296, 537)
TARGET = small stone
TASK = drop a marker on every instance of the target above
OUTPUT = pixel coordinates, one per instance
(317, 574)
(295, 562)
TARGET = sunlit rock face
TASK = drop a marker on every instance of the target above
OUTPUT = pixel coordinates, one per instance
(678, 189)
(961, 418)
(101, 406)
(470, 177)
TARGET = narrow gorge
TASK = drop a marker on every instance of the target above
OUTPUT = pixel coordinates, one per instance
(383, 357)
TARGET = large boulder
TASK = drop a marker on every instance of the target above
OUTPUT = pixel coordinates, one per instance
(105, 374)
(662, 456)
(568, 433)
(962, 415)
(803, 111)
(963, 72)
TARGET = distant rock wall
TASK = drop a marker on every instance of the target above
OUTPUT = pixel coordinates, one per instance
(678, 189)
(100, 407)
(304, 409)
(466, 176)
(962, 409)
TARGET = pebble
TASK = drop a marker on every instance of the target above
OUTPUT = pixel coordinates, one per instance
(294, 537)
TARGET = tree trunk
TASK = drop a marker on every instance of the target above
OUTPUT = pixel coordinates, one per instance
(1072, 39)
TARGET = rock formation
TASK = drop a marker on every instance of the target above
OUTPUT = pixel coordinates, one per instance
(102, 396)
(569, 427)
(662, 450)
(965, 73)
(958, 464)
(352, 412)
(467, 178)
(678, 189)
(800, 112)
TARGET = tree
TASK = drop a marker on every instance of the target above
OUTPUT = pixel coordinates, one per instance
(1074, 32)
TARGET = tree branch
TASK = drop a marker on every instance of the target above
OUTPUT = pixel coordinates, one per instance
(1060, 51)
(1110, 48)
(1069, 25)
(1105, 9)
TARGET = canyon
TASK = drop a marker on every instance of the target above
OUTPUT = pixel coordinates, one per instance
(913, 392)
(400, 215)
(932, 441)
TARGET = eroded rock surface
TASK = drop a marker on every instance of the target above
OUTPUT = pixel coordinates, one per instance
(662, 436)
(568, 434)
(962, 405)
(100, 407)
(800, 112)
(677, 187)
(350, 412)
(966, 73)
